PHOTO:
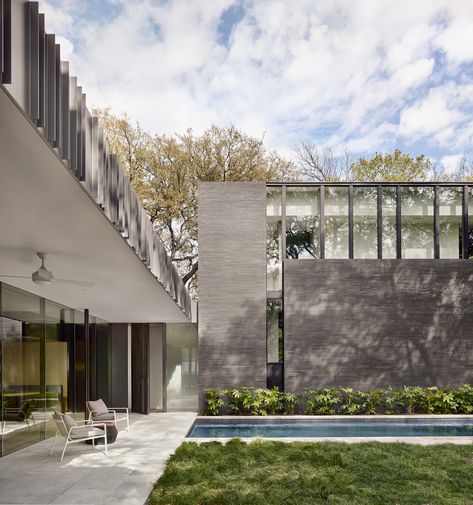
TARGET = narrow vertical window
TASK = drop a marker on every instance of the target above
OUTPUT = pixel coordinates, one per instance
(365, 223)
(336, 222)
(417, 222)
(274, 330)
(273, 240)
(388, 205)
(450, 221)
(469, 235)
(302, 223)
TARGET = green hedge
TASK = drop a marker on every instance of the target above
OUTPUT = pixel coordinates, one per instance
(327, 401)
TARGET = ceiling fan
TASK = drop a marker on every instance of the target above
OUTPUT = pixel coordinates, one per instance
(44, 277)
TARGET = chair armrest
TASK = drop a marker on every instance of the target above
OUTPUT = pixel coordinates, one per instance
(124, 409)
(102, 426)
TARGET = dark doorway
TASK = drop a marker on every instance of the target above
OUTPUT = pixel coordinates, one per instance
(140, 368)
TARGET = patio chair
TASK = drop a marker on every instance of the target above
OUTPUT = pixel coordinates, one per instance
(77, 431)
(98, 411)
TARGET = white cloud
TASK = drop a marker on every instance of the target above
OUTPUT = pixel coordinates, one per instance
(367, 74)
(450, 162)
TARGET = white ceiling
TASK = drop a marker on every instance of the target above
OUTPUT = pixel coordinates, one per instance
(44, 208)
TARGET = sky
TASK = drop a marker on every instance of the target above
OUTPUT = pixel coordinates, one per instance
(364, 75)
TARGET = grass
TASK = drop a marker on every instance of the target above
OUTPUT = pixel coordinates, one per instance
(299, 473)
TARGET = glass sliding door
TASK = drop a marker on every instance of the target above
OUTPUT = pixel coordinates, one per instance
(181, 366)
(22, 353)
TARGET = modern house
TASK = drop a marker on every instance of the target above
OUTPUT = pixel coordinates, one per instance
(115, 320)
(335, 284)
(300, 285)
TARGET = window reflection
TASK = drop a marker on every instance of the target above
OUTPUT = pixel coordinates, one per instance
(389, 235)
(417, 222)
(181, 366)
(302, 223)
(469, 238)
(365, 222)
(336, 222)
(273, 240)
(274, 331)
(450, 222)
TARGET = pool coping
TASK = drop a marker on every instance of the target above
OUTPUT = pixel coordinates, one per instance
(343, 416)
(344, 440)
(458, 440)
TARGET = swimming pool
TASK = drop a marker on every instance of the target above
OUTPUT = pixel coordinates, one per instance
(350, 427)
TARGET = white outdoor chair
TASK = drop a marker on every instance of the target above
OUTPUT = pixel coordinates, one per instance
(98, 411)
(77, 431)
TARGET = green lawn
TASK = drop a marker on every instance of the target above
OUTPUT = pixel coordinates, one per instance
(299, 473)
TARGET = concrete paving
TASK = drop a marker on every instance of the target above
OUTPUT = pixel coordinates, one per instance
(124, 477)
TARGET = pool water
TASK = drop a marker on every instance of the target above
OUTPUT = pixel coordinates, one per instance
(346, 428)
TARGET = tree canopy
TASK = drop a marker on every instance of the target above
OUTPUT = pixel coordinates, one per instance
(165, 172)
(391, 167)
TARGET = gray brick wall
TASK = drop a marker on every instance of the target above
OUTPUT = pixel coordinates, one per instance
(232, 284)
(369, 323)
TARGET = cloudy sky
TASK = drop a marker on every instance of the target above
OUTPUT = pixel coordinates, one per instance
(371, 75)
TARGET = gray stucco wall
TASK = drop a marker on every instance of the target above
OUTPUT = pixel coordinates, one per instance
(374, 323)
(232, 284)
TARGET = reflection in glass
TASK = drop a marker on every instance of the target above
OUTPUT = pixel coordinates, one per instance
(42, 352)
(365, 223)
(273, 240)
(57, 320)
(417, 222)
(336, 222)
(21, 330)
(181, 366)
(450, 222)
(302, 223)
(274, 331)
(389, 236)
(469, 237)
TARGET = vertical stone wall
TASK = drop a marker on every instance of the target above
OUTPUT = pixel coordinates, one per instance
(232, 285)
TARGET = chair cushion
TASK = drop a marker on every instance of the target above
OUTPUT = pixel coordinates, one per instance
(103, 417)
(69, 421)
(85, 431)
(98, 407)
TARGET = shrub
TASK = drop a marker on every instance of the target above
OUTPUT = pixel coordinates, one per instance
(290, 402)
(321, 401)
(213, 402)
(327, 401)
(463, 397)
(353, 402)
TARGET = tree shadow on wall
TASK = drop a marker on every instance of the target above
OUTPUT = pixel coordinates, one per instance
(371, 324)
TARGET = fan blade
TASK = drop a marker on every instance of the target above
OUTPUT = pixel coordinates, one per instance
(17, 276)
(75, 283)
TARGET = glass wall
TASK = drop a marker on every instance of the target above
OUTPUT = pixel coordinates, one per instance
(302, 223)
(274, 331)
(336, 222)
(388, 212)
(365, 222)
(42, 357)
(417, 222)
(450, 222)
(181, 367)
(469, 237)
(317, 223)
(273, 240)
(23, 381)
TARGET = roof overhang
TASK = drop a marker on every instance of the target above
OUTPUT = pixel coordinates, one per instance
(43, 207)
